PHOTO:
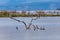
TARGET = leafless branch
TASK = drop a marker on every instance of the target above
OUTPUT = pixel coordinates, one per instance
(20, 21)
(34, 27)
(26, 26)
(32, 21)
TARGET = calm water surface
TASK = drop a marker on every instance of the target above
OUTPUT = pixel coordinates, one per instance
(8, 29)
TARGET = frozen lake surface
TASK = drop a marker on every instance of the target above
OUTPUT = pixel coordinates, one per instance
(8, 29)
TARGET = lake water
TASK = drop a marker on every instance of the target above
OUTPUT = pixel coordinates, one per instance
(8, 29)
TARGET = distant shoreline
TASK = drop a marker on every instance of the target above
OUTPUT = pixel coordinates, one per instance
(35, 16)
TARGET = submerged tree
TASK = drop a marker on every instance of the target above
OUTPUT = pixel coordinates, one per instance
(26, 26)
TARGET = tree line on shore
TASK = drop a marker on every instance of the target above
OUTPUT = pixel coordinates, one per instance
(24, 14)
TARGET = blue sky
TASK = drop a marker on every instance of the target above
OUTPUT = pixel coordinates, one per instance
(55, 3)
(25, 1)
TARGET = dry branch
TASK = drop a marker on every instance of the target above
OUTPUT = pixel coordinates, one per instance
(26, 26)
(32, 20)
(20, 21)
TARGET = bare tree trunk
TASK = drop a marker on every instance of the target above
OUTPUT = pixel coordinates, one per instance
(32, 21)
(26, 26)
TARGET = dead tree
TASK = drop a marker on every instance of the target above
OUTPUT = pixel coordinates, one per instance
(26, 26)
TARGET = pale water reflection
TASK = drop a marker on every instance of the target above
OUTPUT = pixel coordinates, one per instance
(8, 29)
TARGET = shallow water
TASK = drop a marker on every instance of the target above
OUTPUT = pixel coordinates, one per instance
(8, 29)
